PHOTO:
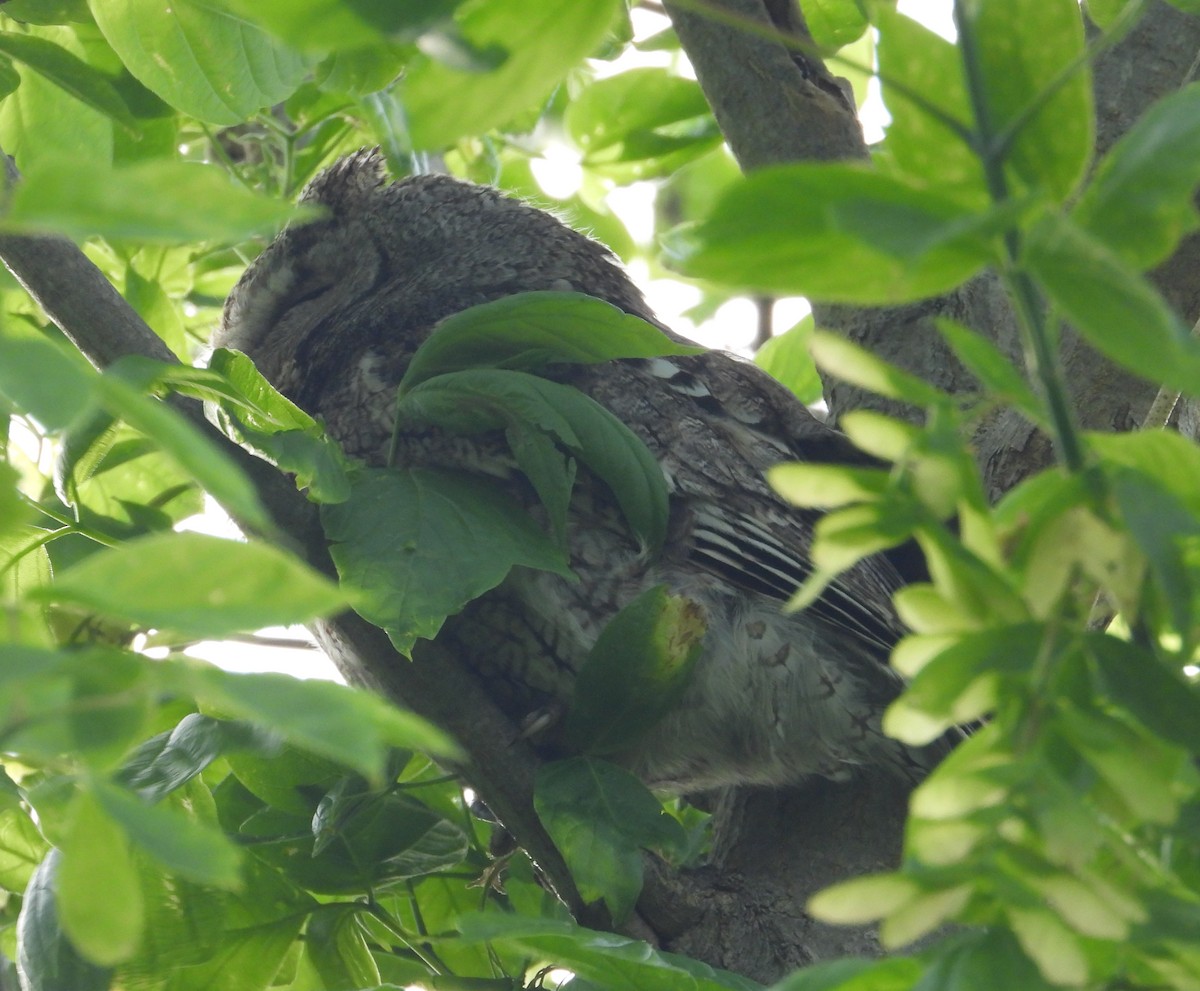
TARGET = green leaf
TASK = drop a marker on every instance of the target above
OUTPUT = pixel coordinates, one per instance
(543, 43)
(14, 512)
(834, 24)
(600, 816)
(202, 60)
(550, 472)
(187, 446)
(22, 848)
(988, 364)
(41, 124)
(44, 380)
(487, 399)
(323, 24)
(636, 672)
(68, 72)
(924, 89)
(982, 960)
(641, 123)
(150, 200)
(1135, 679)
(858, 366)
(337, 946)
(354, 728)
(399, 527)
(1111, 305)
(1160, 523)
(169, 760)
(863, 899)
(1023, 49)
(608, 960)
(1139, 203)
(960, 684)
(99, 897)
(826, 486)
(530, 330)
(198, 585)
(48, 960)
(1170, 459)
(854, 974)
(255, 414)
(366, 844)
(841, 233)
(785, 357)
(184, 845)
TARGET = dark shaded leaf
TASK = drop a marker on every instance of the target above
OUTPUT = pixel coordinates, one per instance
(600, 816)
(636, 672)
(488, 399)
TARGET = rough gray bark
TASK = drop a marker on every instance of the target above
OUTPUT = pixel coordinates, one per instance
(779, 848)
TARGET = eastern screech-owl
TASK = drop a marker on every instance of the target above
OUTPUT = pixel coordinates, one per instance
(331, 313)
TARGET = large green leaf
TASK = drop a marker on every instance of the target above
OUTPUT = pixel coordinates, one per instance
(46, 381)
(254, 413)
(842, 233)
(358, 843)
(399, 528)
(1111, 304)
(924, 89)
(354, 728)
(532, 329)
(1138, 681)
(69, 72)
(196, 584)
(42, 124)
(324, 24)
(1140, 201)
(99, 899)
(186, 846)
(1036, 87)
(150, 201)
(488, 399)
(542, 43)
(641, 123)
(1164, 530)
(202, 60)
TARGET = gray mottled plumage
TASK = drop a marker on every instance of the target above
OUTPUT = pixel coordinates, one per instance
(332, 311)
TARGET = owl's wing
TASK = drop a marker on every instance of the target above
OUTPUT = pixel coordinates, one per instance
(717, 424)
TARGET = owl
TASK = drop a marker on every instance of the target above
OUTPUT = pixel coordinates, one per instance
(332, 312)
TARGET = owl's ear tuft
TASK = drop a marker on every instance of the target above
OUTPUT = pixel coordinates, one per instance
(347, 182)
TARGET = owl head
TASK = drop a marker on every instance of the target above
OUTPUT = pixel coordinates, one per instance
(389, 260)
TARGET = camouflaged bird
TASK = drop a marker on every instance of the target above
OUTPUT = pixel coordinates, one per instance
(332, 312)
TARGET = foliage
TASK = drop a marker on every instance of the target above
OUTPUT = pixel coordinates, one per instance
(164, 824)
